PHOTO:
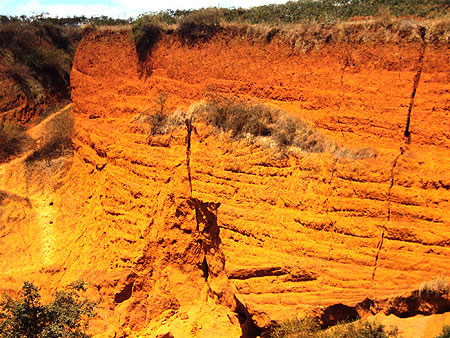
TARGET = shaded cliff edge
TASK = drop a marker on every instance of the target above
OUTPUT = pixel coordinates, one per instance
(35, 64)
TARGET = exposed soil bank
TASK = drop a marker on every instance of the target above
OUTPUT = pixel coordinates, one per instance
(329, 214)
(296, 232)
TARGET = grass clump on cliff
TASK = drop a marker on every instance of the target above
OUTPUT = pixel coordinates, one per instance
(239, 117)
(269, 126)
(13, 140)
(261, 124)
(57, 140)
(434, 288)
(310, 328)
(67, 315)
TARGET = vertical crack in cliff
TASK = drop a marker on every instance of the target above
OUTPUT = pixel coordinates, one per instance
(388, 217)
(331, 224)
(416, 81)
(189, 128)
(345, 65)
(379, 246)
(327, 209)
(407, 134)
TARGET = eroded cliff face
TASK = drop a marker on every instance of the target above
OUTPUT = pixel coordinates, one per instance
(35, 64)
(291, 233)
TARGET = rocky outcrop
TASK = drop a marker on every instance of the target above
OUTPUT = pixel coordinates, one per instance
(179, 285)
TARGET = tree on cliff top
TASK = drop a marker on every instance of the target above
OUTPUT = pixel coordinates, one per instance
(66, 316)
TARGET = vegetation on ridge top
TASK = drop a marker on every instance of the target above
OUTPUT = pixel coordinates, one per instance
(309, 10)
(37, 59)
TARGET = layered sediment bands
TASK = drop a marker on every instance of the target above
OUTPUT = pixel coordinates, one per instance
(302, 231)
(117, 218)
(296, 231)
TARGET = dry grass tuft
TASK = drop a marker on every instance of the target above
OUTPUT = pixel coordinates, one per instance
(57, 141)
(436, 287)
(13, 140)
(267, 126)
(309, 328)
(270, 126)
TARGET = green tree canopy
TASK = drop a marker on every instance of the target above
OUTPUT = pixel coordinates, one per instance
(66, 316)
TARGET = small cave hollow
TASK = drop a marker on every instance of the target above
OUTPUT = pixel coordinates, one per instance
(124, 294)
(338, 313)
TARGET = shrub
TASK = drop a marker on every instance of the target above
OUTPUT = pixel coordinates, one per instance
(309, 328)
(285, 130)
(310, 140)
(253, 121)
(146, 32)
(445, 332)
(243, 118)
(67, 315)
(57, 140)
(436, 287)
(239, 117)
(13, 140)
(20, 74)
(158, 121)
(41, 51)
(367, 329)
(199, 25)
(296, 328)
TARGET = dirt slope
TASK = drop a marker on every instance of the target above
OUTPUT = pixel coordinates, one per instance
(295, 232)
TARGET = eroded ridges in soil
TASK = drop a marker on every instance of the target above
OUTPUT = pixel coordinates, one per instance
(298, 231)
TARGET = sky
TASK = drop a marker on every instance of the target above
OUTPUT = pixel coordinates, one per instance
(114, 8)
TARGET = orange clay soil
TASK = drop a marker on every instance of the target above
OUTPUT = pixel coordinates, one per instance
(260, 235)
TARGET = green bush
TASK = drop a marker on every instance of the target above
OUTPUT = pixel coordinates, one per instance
(445, 332)
(67, 315)
(367, 329)
(41, 55)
